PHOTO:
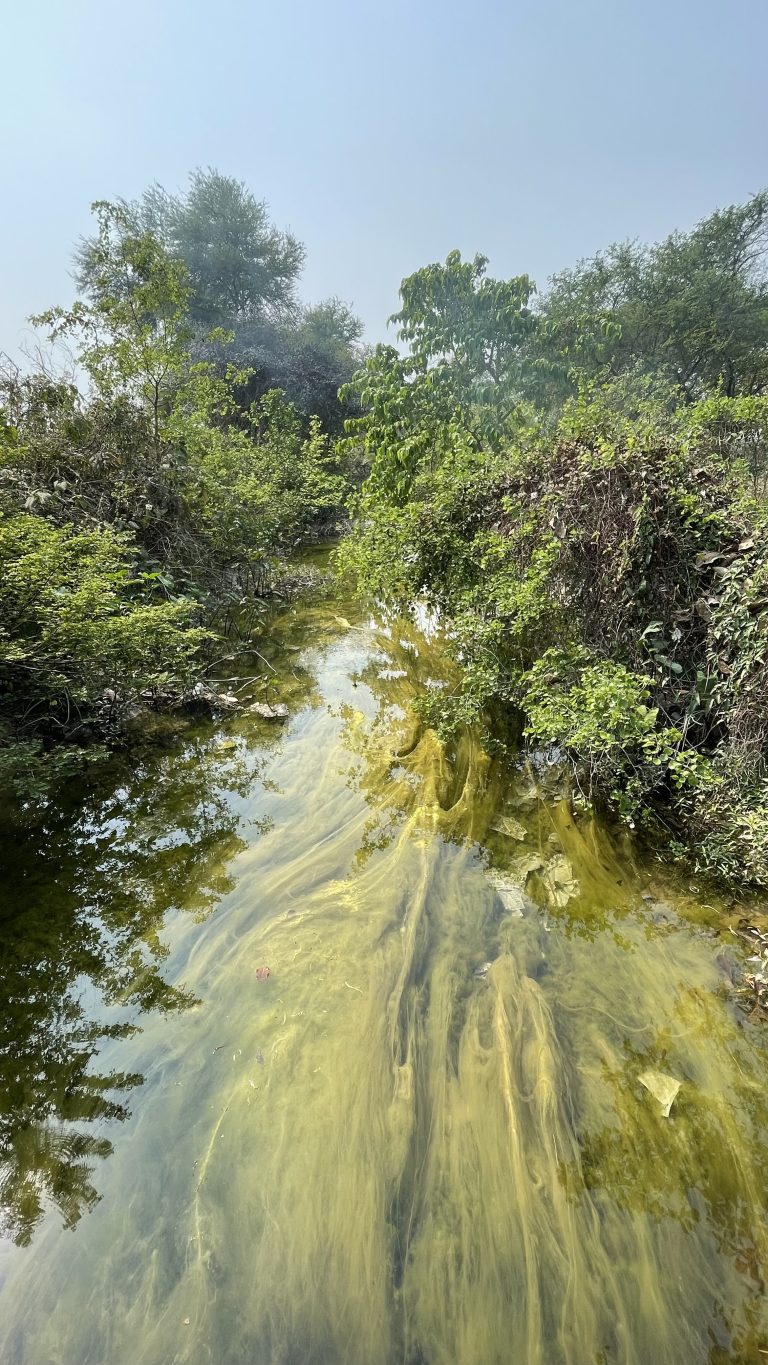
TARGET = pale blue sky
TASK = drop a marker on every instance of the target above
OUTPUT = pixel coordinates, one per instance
(384, 135)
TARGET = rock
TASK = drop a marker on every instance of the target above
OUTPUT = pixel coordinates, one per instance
(526, 864)
(663, 1088)
(277, 711)
(203, 697)
(728, 968)
(526, 799)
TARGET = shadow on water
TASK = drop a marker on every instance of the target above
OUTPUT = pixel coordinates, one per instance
(423, 1136)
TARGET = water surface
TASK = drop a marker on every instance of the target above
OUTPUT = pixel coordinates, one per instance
(422, 1136)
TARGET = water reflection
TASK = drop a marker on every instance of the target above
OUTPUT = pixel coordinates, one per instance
(83, 904)
(85, 897)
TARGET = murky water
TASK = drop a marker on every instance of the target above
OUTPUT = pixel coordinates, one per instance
(422, 1137)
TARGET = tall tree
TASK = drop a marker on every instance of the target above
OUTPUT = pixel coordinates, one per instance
(461, 379)
(310, 357)
(692, 309)
(133, 335)
(241, 268)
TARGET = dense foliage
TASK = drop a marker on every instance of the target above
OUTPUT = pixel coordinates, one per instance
(579, 489)
(137, 505)
(691, 310)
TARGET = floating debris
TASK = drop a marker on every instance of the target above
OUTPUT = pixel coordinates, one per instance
(510, 895)
(663, 1088)
(276, 711)
(262, 973)
(559, 881)
(509, 826)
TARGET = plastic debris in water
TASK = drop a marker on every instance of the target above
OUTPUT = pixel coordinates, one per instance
(262, 973)
(509, 826)
(270, 711)
(510, 895)
(663, 1088)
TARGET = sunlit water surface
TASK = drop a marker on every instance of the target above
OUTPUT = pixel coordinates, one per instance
(422, 1137)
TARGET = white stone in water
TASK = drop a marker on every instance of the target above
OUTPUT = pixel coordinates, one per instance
(508, 825)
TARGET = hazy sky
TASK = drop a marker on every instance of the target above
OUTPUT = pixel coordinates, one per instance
(384, 135)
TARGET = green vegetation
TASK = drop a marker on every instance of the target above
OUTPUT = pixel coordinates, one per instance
(143, 507)
(241, 274)
(575, 481)
(578, 487)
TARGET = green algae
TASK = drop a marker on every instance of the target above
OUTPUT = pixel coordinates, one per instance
(424, 1137)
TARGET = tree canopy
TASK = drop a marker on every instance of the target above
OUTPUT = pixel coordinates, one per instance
(240, 266)
(692, 309)
(241, 275)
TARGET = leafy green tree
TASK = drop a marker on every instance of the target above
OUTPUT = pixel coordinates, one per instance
(241, 276)
(453, 315)
(133, 336)
(132, 513)
(221, 480)
(692, 308)
(460, 380)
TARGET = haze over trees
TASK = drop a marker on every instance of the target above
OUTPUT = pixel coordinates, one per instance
(242, 275)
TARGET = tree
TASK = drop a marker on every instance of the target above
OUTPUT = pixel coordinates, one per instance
(461, 380)
(454, 315)
(240, 267)
(133, 335)
(310, 357)
(240, 275)
(692, 309)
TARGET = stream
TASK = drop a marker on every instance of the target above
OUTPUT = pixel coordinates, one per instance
(323, 1045)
